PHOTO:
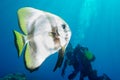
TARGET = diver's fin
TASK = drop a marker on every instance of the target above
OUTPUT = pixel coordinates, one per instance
(19, 41)
(60, 58)
(105, 77)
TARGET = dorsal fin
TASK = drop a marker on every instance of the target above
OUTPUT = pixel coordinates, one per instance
(26, 17)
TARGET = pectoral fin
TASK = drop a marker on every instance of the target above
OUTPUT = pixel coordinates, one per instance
(60, 58)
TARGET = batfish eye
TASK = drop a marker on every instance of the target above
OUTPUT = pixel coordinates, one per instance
(64, 26)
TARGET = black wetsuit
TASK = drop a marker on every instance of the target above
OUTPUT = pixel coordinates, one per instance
(81, 64)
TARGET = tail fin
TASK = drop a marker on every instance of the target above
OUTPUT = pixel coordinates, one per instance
(19, 41)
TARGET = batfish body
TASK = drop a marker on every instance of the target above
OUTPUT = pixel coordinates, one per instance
(43, 34)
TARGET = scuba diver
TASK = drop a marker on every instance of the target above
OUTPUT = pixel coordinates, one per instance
(80, 58)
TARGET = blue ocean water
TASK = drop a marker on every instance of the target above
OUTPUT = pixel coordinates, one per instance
(94, 23)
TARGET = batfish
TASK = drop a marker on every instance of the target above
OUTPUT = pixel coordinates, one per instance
(43, 34)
